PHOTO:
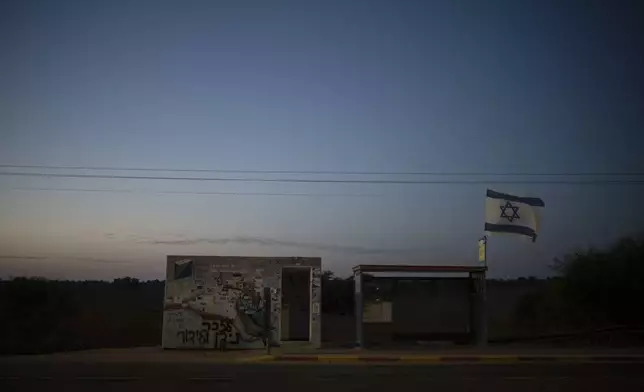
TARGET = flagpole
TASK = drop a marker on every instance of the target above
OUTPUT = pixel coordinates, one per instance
(485, 241)
(483, 250)
(480, 314)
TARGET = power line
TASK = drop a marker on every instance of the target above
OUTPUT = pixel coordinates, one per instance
(317, 172)
(131, 191)
(327, 181)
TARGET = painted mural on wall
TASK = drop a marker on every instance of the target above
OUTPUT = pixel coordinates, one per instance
(216, 302)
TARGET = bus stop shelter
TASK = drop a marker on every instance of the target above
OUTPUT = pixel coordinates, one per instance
(471, 278)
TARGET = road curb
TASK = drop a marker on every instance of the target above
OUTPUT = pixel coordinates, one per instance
(256, 359)
(440, 359)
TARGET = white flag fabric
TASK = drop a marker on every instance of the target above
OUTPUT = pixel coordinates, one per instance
(506, 213)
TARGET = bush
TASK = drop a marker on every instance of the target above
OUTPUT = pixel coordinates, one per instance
(607, 285)
(42, 316)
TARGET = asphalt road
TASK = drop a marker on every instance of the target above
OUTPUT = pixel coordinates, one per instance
(181, 377)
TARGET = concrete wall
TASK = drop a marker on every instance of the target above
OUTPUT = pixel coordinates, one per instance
(502, 299)
(210, 300)
(421, 309)
(432, 306)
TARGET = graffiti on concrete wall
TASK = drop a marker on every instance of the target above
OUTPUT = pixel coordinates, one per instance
(216, 302)
(316, 299)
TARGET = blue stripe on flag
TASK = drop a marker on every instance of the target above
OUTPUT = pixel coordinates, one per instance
(533, 201)
(510, 229)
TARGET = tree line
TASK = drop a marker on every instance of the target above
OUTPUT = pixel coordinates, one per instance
(594, 288)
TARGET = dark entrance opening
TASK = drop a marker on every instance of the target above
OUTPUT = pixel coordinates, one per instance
(296, 304)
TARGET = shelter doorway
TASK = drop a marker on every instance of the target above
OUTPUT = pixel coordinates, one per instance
(296, 304)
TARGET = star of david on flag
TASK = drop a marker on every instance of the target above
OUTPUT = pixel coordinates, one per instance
(505, 213)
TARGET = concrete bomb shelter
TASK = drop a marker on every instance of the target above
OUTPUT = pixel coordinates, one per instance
(217, 302)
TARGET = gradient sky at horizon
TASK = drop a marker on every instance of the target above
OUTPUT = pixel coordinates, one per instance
(440, 86)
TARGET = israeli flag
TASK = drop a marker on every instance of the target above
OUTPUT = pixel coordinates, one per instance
(512, 214)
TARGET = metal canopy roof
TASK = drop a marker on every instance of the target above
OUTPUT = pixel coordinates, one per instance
(416, 268)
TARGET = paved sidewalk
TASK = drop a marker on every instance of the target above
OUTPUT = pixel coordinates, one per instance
(459, 355)
(447, 359)
(466, 354)
(140, 355)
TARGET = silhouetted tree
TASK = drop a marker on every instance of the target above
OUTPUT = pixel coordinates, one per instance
(40, 315)
(337, 294)
(607, 284)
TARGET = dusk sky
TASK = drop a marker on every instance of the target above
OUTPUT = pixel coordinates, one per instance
(377, 86)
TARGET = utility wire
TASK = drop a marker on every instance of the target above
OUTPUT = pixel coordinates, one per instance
(131, 191)
(327, 181)
(317, 172)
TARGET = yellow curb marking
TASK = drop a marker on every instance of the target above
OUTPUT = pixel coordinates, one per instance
(259, 358)
(210, 379)
(338, 358)
(499, 358)
(420, 358)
